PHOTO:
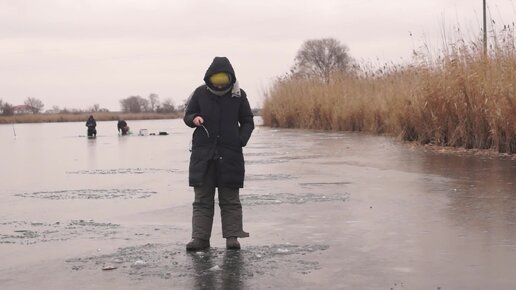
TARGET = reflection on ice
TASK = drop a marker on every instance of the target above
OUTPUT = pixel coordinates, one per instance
(214, 269)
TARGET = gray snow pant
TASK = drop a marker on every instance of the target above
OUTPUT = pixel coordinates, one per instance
(204, 206)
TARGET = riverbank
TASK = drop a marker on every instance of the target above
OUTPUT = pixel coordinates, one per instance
(458, 151)
(77, 117)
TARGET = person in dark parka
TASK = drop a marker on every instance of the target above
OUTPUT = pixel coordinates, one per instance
(92, 125)
(122, 127)
(223, 121)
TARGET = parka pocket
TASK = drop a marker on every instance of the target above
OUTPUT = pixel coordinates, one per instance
(232, 166)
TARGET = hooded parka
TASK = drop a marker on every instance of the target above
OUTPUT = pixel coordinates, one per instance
(228, 124)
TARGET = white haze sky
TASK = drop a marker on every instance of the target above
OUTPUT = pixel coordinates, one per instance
(76, 53)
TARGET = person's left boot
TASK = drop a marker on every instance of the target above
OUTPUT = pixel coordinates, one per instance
(197, 244)
(232, 243)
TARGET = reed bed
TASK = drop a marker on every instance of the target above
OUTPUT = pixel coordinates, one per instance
(82, 117)
(461, 98)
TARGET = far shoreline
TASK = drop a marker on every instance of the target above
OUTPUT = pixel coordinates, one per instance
(83, 116)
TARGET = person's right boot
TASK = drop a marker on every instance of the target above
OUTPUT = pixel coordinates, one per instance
(197, 244)
(232, 243)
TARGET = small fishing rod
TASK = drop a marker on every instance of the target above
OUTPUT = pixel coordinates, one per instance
(207, 133)
(14, 131)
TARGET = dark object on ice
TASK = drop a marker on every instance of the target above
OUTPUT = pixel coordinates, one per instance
(91, 124)
(163, 133)
(197, 244)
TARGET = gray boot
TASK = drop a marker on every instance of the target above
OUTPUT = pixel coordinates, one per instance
(197, 244)
(232, 243)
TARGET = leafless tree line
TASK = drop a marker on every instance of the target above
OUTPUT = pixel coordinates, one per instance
(138, 104)
(132, 104)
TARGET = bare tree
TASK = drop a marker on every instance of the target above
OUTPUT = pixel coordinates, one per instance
(181, 107)
(134, 104)
(94, 108)
(321, 57)
(35, 105)
(7, 109)
(54, 110)
(167, 106)
(153, 102)
(1, 105)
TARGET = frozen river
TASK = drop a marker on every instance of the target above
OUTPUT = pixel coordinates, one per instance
(324, 210)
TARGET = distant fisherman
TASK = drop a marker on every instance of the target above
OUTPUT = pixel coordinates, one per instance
(122, 127)
(91, 124)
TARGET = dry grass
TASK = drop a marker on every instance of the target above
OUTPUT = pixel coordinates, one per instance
(79, 117)
(460, 98)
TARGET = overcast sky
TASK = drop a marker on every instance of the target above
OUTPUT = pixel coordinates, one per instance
(76, 53)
